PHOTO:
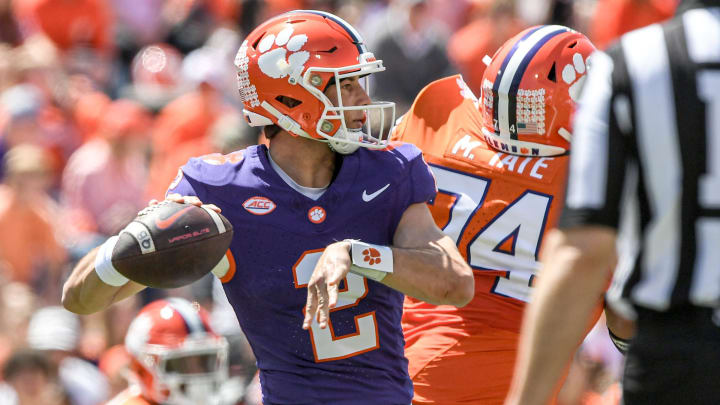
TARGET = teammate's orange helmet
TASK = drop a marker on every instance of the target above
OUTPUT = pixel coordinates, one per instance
(529, 90)
(284, 66)
(176, 357)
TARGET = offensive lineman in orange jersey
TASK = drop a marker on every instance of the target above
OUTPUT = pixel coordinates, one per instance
(500, 163)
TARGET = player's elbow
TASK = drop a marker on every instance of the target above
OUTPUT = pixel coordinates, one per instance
(458, 285)
(69, 302)
(72, 302)
(460, 290)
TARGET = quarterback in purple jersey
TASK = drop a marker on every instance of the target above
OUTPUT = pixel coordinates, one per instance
(275, 250)
(331, 225)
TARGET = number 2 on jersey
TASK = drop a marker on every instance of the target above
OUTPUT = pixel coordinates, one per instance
(327, 346)
(520, 224)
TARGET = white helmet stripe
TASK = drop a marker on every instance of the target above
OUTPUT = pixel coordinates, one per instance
(189, 314)
(511, 70)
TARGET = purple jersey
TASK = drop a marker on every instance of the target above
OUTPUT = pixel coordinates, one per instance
(279, 234)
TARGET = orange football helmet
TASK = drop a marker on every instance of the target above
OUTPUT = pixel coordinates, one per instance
(286, 63)
(529, 90)
(176, 358)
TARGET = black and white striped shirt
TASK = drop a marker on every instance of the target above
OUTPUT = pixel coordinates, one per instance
(646, 161)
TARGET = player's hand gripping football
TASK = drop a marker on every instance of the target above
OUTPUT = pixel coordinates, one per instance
(186, 199)
(333, 266)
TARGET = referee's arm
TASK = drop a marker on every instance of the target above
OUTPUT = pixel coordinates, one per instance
(577, 260)
(576, 265)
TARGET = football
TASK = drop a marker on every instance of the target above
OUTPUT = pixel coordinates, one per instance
(170, 245)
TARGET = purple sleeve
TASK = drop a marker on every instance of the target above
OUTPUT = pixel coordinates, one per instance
(422, 182)
(417, 179)
(182, 185)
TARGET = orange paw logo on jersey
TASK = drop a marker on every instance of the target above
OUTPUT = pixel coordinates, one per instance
(259, 205)
(372, 256)
(316, 214)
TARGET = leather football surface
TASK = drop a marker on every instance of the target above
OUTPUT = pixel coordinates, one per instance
(171, 245)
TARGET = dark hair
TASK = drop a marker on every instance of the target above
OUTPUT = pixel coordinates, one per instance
(26, 360)
(271, 130)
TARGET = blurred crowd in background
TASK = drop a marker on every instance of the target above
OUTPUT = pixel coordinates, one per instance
(102, 100)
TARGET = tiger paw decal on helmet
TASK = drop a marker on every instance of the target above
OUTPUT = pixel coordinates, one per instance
(275, 63)
(573, 74)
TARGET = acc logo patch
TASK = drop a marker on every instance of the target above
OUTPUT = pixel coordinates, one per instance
(259, 205)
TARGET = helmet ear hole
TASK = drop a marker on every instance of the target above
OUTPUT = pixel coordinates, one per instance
(551, 75)
(288, 101)
(255, 44)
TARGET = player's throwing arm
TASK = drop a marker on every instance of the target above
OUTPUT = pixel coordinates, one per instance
(158, 249)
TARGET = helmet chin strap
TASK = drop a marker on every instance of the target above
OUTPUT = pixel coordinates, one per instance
(285, 122)
(336, 142)
(565, 134)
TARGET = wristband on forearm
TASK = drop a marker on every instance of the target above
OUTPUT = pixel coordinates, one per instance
(620, 343)
(369, 260)
(104, 267)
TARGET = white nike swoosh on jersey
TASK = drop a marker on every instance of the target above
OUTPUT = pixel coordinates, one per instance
(369, 197)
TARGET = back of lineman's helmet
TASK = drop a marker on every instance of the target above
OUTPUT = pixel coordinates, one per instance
(529, 90)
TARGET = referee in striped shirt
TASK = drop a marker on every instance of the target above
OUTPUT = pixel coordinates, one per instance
(645, 177)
